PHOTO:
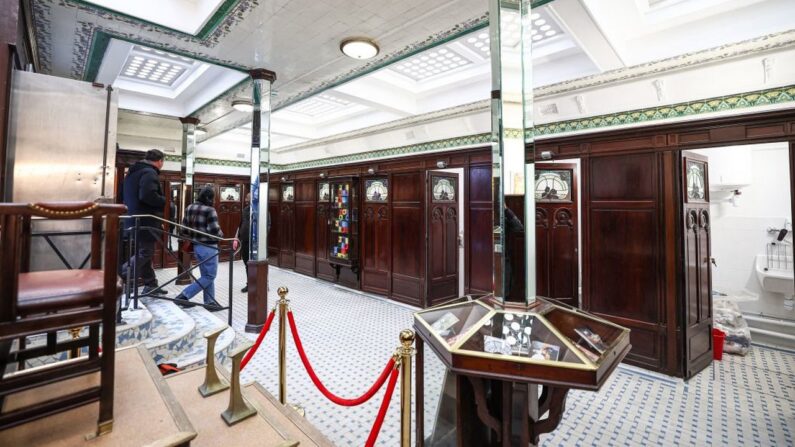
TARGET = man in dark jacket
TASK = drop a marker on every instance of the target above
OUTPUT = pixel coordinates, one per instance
(142, 194)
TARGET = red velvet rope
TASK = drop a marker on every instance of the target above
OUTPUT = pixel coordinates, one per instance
(379, 420)
(260, 337)
(336, 399)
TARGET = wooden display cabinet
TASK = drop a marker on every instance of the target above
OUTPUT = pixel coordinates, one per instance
(343, 242)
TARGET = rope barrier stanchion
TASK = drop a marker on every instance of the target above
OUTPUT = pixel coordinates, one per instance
(283, 304)
(379, 420)
(379, 382)
(260, 337)
(406, 350)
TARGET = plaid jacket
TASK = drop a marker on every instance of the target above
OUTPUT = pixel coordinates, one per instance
(202, 218)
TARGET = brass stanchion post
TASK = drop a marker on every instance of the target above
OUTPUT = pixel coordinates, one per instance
(212, 383)
(238, 408)
(283, 303)
(406, 350)
(75, 333)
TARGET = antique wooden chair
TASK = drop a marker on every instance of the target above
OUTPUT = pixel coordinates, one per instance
(46, 302)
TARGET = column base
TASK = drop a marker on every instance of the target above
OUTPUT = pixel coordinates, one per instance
(257, 295)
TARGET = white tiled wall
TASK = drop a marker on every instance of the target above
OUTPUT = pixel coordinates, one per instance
(740, 233)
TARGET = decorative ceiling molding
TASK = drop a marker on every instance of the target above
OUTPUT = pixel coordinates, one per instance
(690, 60)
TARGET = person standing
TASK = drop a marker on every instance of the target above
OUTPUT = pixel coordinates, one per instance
(244, 235)
(142, 194)
(201, 216)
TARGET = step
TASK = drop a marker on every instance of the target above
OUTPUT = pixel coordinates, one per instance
(145, 410)
(273, 425)
(205, 321)
(171, 334)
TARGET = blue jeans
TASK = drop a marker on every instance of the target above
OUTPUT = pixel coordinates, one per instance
(208, 271)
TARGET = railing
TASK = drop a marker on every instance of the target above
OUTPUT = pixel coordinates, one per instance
(186, 234)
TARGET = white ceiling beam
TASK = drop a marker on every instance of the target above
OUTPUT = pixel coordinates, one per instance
(579, 24)
(379, 95)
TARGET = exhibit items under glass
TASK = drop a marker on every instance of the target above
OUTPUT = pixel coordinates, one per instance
(497, 354)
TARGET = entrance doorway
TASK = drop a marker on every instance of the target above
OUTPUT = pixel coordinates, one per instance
(445, 235)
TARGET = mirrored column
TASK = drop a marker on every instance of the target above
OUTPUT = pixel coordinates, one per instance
(511, 104)
(186, 188)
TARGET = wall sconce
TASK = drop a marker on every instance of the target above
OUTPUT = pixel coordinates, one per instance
(441, 164)
(371, 171)
(546, 155)
(322, 175)
(284, 179)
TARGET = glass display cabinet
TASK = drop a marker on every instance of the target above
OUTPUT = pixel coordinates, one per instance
(508, 364)
(344, 223)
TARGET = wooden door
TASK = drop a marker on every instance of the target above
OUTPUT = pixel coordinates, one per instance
(287, 226)
(697, 271)
(229, 202)
(557, 248)
(305, 227)
(274, 219)
(442, 224)
(375, 236)
(322, 246)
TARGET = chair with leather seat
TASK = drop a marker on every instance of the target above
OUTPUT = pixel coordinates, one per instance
(46, 302)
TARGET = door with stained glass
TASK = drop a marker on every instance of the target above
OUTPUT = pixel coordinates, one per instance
(442, 224)
(557, 243)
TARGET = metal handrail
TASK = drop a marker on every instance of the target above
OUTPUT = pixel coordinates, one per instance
(188, 229)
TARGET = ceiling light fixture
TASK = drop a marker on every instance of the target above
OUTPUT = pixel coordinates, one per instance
(243, 105)
(359, 48)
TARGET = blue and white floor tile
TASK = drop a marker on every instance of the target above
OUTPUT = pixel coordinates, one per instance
(349, 336)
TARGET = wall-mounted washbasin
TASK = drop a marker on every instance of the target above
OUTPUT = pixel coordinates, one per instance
(778, 276)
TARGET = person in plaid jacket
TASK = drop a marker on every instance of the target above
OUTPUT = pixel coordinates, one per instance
(201, 216)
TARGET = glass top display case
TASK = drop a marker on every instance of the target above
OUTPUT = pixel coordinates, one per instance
(544, 342)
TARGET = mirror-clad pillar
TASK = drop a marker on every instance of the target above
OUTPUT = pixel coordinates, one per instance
(187, 170)
(511, 103)
(260, 170)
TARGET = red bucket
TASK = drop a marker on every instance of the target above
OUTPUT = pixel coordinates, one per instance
(717, 343)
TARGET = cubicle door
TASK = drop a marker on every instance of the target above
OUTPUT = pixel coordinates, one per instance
(442, 224)
(697, 271)
(322, 246)
(287, 226)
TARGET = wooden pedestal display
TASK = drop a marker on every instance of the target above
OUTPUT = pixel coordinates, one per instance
(510, 367)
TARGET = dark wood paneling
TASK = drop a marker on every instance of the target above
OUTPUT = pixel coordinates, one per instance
(376, 247)
(287, 232)
(274, 214)
(622, 251)
(323, 268)
(479, 263)
(305, 208)
(408, 243)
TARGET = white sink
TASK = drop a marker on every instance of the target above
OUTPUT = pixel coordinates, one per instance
(778, 280)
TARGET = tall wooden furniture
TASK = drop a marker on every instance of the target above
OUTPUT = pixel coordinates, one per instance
(498, 354)
(49, 301)
(344, 230)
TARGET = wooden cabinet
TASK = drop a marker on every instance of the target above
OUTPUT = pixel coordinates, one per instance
(344, 229)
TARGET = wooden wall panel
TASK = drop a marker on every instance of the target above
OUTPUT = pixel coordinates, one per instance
(376, 248)
(322, 267)
(623, 252)
(305, 226)
(408, 245)
(479, 275)
(274, 214)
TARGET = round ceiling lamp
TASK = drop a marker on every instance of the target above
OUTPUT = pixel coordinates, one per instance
(243, 105)
(359, 48)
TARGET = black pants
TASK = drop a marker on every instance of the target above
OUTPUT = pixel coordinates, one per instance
(142, 261)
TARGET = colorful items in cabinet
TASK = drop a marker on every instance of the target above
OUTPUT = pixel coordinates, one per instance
(340, 249)
(342, 193)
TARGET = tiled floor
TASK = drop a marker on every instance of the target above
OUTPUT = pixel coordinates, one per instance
(348, 337)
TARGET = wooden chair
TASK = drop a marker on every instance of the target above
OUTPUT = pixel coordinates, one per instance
(49, 301)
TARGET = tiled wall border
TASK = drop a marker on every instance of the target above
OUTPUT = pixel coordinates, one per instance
(780, 95)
